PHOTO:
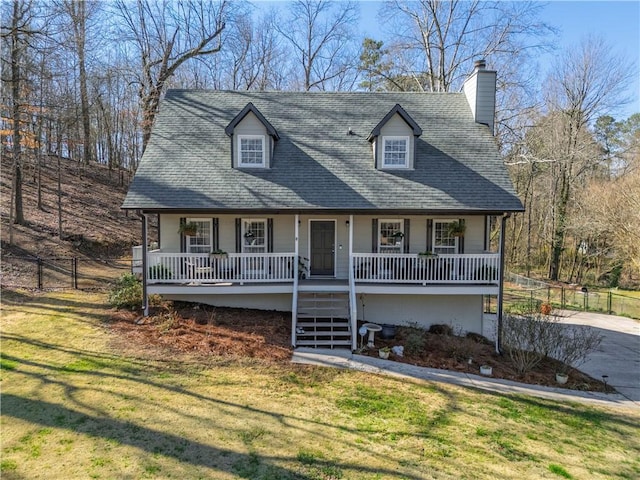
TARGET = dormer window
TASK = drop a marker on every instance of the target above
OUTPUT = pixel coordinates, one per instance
(252, 139)
(393, 139)
(395, 152)
(251, 150)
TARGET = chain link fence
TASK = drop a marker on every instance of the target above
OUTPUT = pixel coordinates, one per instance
(46, 273)
(529, 293)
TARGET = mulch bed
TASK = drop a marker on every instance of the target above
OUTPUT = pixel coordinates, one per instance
(180, 329)
(184, 328)
(449, 352)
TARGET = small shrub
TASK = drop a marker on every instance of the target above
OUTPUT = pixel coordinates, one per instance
(545, 309)
(460, 348)
(126, 292)
(415, 340)
(574, 344)
(476, 337)
(441, 329)
(528, 339)
(414, 345)
(167, 321)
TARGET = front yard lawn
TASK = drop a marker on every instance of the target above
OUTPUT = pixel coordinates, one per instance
(77, 404)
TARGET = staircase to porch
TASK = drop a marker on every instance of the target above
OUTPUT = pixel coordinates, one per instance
(323, 320)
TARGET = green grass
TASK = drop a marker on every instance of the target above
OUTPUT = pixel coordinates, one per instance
(75, 406)
(558, 470)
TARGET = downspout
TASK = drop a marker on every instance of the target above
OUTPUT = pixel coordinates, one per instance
(503, 225)
(353, 307)
(296, 274)
(145, 296)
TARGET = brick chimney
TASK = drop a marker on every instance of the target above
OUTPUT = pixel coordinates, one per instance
(480, 90)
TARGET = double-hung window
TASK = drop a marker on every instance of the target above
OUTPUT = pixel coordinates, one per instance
(390, 236)
(201, 241)
(443, 240)
(251, 151)
(254, 235)
(395, 152)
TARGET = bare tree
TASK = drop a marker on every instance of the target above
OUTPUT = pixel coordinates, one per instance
(320, 34)
(79, 12)
(585, 83)
(166, 34)
(256, 58)
(15, 37)
(437, 40)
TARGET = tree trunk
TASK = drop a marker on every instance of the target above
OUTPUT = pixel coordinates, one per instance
(15, 114)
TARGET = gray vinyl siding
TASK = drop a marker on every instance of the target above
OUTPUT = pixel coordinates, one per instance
(251, 125)
(284, 233)
(396, 127)
(480, 92)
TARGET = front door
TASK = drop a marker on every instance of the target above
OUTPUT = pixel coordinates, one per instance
(322, 247)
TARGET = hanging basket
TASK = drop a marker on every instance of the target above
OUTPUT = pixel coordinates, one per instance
(189, 228)
(457, 229)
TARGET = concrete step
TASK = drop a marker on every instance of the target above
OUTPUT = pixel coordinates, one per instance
(322, 343)
(332, 324)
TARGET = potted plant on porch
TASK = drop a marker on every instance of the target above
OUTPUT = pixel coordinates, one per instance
(457, 229)
(218, 254)
(397, 236)
(188, 228)
(384, 352)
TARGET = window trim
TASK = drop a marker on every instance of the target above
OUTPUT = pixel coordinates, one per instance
(406, 140)
(188, 245)
(264, 153)
(243, 244)
(382, 248)
(455, 246)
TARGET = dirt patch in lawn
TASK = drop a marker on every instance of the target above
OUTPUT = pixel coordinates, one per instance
(186, 330)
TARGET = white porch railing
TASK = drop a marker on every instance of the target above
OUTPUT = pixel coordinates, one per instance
(136, 258)
(413, 268)
(232, 267)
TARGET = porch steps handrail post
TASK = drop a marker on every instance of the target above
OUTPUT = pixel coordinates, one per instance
(294, 296)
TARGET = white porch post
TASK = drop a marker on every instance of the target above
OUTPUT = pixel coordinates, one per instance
(145, 296)
(296, 266)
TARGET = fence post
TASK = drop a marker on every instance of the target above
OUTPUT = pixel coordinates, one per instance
(562, 305)
(549, 294)
(531, 302)
(609, 303)
(585, 299)
(74, 272)
(39, 273)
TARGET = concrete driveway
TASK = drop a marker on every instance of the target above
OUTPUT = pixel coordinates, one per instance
(619, 353)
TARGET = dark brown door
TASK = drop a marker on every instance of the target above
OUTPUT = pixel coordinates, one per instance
(322, 247)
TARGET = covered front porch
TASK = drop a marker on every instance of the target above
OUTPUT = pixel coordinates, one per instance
(299, 263)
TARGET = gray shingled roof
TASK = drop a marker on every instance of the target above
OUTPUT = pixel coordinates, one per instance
(316, 165)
